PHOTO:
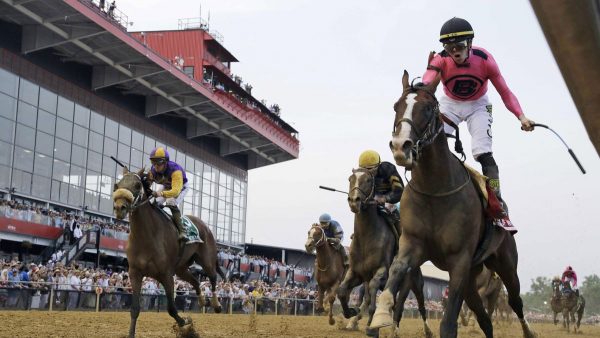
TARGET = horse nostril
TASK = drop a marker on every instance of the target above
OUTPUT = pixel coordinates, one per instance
(407, 145)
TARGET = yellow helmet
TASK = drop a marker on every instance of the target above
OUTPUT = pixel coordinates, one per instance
(369, 159)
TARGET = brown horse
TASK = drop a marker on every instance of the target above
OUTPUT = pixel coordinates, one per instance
(153, 249)
(372, 251)
(503, 310)
(556, 301)
(488, 287)
(443, 218)
(329, 268)
(571, 303)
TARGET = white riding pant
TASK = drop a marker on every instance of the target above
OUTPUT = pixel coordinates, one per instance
(171, 201)
(477, 114)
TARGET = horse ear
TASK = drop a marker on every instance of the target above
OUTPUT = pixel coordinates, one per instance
(115, 187)
(125, 170)
(141, 171)
(405, 80)
(432, 86)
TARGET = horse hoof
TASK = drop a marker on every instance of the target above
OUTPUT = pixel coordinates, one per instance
(381, 319)
(350, 313)
(319, 310)
(352, 325)
(372, 332)
(331, 321)
(218, 309)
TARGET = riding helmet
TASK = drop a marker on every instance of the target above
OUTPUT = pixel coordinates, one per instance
(324, 218)
(455, 30)
(369, 159)
(159, 153)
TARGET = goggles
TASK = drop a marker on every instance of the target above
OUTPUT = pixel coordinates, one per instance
(456, 46)
(157, 161)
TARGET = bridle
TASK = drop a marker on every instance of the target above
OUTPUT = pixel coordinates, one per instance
(322, 241)
(137, 200)
(371, 193)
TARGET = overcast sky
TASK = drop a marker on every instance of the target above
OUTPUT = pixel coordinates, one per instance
(335, 69)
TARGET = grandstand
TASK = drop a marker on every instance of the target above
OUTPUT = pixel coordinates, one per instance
(76, 88)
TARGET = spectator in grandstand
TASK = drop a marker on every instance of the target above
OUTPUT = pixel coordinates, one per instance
(174, 181)
(102, 5)
(334, 233)
(77, 234)
(111, 9)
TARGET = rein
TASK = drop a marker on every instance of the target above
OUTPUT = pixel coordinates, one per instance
(136, 203)
(372, 192)
(322, 241)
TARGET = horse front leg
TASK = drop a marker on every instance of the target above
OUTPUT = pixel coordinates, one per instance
(375, 284)
(320, 295)
(458, 280)
(330, 299)
(473, 300)
(136, 286)
(409, 256)
(169, 285)
(343, 292)
(364, 305)
(417, 283)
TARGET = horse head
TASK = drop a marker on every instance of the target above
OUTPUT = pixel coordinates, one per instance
(362, 188)
(316, 238)
(417, 122)
(128, 192)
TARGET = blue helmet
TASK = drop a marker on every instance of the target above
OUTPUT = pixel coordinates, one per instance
(324, 218)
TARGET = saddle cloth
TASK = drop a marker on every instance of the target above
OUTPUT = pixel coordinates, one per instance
(491, 204)
(192, 235)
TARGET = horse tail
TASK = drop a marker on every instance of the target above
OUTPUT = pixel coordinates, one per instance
(219, 270)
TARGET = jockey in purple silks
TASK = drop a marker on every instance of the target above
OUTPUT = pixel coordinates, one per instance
(465, 71)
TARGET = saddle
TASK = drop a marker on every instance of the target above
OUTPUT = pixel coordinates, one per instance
(192, 234)
(491, 205)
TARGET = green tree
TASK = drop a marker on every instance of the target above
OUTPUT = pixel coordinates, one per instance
(590, 290)
(538, 299)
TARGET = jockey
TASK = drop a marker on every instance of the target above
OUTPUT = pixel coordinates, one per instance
(465, 71)
(172, 177)
(388, 184)
(334, 233)
(570, 276)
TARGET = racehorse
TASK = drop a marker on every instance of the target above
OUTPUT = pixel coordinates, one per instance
(488, 287)
(571, 303)
(502, 308)
(556, 301)
(329, 268)
(372, 251)
(153, 249)
(443, 217)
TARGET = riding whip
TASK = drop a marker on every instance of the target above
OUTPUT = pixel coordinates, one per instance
(331, 189)
(118, 162)
(561, 139)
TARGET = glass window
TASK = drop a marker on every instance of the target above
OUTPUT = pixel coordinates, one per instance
(106, 205)
(48, 101)
(5, 153)
(21, 181)
(43, 165)
(23, 159)
(8, 105)
(62, 150)
(137, 140)
(64, 129)
(92, 181)
(112, 129)
(96, 142)
(97, 122)
(75, 196)
(106, 184)
(180, 159)
(26, 114)
(124, 135)
(41, 187)
(149, 144)
(8, 83)
(28, 92)
(80, 136)
(189, 163)
(189, 71)
(82, 115)
(65, 108)
(44, 144)
(123, 154)
(4, 174)
(46, 122)
(77, 176)
(78, 155)
(6, 130)
(94, 161)
(110, 147)
(136, 158)
(60, 171)
(91, 200)
(172, 153)
(25, 137)
(109, 167)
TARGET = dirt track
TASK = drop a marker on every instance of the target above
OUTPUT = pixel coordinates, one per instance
(108, 325)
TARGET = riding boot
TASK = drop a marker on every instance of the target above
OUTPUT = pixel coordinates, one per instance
(391, 219)
(176, 213)
(491, 171)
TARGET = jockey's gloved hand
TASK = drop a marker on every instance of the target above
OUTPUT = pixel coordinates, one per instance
(380, 199)
(156, 194)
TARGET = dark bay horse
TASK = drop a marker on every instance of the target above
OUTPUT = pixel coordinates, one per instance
(443, 218)
(153, 249)
(329, 268)
(556, 302)
(488, 286)
(571, 303)
(372, 251)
